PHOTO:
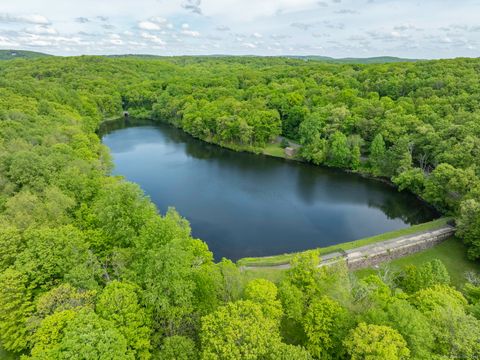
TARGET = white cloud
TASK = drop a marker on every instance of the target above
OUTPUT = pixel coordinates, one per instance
(154, 24)
(191, 33)
(222, 28)
(193, 6)
(82, 20)
(279, 36)
(30, 19)
(346, 11)
(153, 38)
(6, 42)
(116, 41)
(249, 45)
(406, 27)
(148, 25)
(42, 29)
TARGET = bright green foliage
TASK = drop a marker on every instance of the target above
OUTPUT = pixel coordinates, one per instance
(456, 333)
(412, 179)
(447, 185)
(377, 154)
(288, 352)
(308, 286)
(173, 286)
(339, 154)
(15, 308)
(439, 296)
(53, 254)
(300, 285)
(428, 274)
(231, 280)
(118, 303)
(293, 300)
(304, 271)
(312, 127)
(168, 287)
(409, 322)
(50, 333)
(264, 293)
(472, 294)
(178, 348)
(11, 244)
(63, 297)
(161, 230)
(315, 147)
(468, 226)
(68, 229)
(84, 336)
(355, 157)
(238, 331)
(49, 207)
(120, 211)
(371, 291)
(326, 324)
(179, 280)
(316, 151)
(374, 342)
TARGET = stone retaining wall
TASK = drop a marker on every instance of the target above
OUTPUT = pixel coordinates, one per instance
(370, 255)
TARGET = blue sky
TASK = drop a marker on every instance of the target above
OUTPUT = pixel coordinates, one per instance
(338, 28)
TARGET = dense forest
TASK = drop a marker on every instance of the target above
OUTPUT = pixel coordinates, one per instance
(90, 270)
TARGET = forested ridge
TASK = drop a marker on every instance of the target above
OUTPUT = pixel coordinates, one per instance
(90, 270)
(20, 54)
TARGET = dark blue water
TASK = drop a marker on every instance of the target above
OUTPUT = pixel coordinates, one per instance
(249, 205)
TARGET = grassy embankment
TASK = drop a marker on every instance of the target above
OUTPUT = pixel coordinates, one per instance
(451, 252)
(286, 258)
(274, 149)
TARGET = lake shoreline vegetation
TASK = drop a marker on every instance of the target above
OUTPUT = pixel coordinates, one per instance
(89, 269)
(274, 149)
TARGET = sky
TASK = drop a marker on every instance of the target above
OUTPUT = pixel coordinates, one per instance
(337, 28)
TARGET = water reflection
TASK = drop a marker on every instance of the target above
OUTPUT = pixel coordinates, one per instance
(248, 205)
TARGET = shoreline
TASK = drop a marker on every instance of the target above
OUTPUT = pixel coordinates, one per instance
(122, 121)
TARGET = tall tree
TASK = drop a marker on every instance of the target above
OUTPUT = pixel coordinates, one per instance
(377, 153)
(15, 308)
(118, 303)
(238, 330)
(373, 342)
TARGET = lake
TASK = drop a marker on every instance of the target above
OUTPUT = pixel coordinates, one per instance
(243, 204)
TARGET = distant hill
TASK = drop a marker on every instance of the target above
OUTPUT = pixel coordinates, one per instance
(20, 54)
(369, 60)
(142, 56)
(15, 54)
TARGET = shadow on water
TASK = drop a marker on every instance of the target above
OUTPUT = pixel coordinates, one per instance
(243, 204)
